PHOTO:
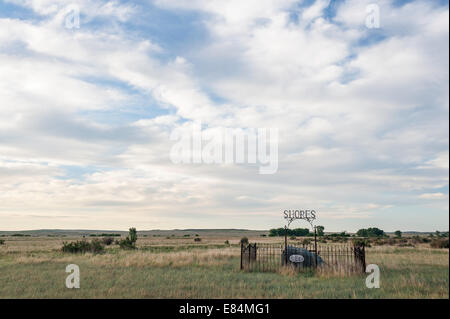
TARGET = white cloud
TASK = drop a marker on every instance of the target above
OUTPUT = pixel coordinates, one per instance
(433, 196)
(363, 122)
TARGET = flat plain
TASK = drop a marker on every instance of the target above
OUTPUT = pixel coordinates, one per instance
(174, 265)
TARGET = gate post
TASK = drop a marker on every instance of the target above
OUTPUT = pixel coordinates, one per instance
(285, 246)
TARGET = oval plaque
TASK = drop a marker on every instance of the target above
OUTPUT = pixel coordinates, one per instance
(296, 258)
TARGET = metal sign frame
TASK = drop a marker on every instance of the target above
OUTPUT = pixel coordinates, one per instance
(300, 215)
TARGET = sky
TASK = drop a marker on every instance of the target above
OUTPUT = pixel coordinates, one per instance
(87, 111)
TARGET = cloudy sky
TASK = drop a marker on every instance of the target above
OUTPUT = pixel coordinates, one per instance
(86, 113)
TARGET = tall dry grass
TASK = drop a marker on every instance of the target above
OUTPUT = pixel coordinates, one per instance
(34, 267)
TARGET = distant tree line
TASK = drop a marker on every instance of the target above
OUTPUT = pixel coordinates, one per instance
(304, 232)
(300, 232)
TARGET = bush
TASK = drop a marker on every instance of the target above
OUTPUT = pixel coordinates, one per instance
(244, 240)
(418, 239)
(107, 241)
(82, 246)
(406, 245)
(391, 241)
(342, 234)
(130, 241)
(320, 230)
(96, 246)
(361, 242)
(227, 242)
(379, 242)
(370, 232)
(306, 242)
(197, 239)
(440, 243)
(2, 241)
(292, 238)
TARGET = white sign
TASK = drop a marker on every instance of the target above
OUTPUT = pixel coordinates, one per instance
(296, 258)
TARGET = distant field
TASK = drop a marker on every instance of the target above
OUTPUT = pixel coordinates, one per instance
(151, 233)
(166, 266)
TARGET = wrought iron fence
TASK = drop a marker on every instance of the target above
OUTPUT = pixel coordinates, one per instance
(272, 256)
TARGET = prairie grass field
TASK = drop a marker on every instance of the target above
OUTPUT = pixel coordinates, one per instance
(179, 267)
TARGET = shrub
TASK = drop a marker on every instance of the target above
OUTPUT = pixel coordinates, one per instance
(130, 241)
(361, 242)
(244, 240)
(2, 241)
(391, 241)
(197, 239)
(406, 245)
(418, 239)
(370, 232)
(342, 234)
(107, 241)
(306, 241)
(440, 243)
(227, 242)
(82, 246)
(292, 238)
(320, 230)
(96, 246)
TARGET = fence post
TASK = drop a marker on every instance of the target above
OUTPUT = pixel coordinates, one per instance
(315, 243)
(363, 256)
(242, 266)
(257, 260)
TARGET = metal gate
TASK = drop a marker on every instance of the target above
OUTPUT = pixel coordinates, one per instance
(273, 256)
